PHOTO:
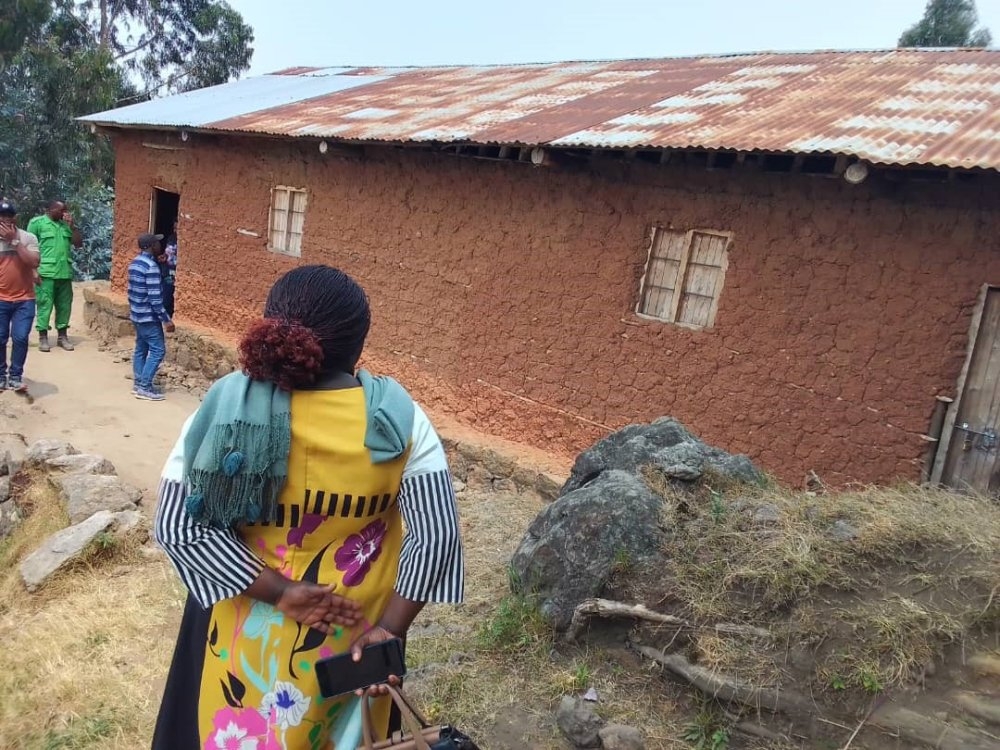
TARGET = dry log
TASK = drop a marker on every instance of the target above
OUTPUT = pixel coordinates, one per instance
(756, 730)
(975, 705)
(728, 689)
(920, 730)
(748, 631)
(608, 608)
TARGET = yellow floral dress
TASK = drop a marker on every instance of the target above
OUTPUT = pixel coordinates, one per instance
(340, 521)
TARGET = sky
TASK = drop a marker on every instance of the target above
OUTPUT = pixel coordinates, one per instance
(437, 32)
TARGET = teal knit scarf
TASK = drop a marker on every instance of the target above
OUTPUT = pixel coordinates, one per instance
(236, 449)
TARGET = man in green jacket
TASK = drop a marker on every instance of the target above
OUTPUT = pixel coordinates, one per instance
(56, 235)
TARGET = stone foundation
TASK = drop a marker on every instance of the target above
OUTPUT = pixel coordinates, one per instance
(194, 349)
(480, 461)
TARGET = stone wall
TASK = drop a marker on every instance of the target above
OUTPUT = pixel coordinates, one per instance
(477, 460)
(504, 294)
(190, 347)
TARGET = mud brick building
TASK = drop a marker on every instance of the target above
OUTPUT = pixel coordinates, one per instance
(793, 254)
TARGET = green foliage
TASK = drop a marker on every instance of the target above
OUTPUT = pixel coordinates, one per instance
(869, 680)
(18, 20)
(514, 626)
(62, 59)
(169, 45)
(582, 676)
(717, 507)
(947, 23)
(81, 732)
(708, 730)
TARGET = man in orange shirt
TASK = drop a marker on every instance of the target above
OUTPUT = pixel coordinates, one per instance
(19, 258)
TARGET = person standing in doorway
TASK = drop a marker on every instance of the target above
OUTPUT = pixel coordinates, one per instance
(150, 318)
(170, 270)
(56, 236)
(18, 261)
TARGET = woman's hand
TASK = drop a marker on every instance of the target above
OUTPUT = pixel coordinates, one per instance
(317, 606)
(377, 634)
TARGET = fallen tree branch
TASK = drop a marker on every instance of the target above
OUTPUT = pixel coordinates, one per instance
(875, 704)
(926, 730)
(609, 608)
(728, 689)
(728, 628)
(763, 733)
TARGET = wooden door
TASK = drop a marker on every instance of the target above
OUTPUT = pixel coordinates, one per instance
(974, 445)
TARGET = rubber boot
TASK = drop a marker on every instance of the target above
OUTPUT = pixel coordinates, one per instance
(63, 341)
(43, 342)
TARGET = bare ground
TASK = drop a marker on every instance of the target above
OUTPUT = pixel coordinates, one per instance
(83, 661)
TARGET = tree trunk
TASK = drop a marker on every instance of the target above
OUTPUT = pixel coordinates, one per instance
(105, 35)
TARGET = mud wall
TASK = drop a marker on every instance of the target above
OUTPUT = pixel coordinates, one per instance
(505, 293)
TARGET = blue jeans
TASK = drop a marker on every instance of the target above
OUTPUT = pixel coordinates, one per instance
(15, 323)
(150, 348)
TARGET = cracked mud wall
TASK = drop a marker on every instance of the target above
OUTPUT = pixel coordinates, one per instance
(505, 293)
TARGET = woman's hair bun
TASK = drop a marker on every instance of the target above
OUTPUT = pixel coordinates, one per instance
(281, 352)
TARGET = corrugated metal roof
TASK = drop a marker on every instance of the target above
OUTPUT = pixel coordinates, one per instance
(937, 107)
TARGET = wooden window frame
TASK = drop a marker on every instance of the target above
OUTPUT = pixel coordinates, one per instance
(286, 248)
(681, 281)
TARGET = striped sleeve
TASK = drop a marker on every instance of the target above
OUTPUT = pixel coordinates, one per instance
(431, 564)
(214, 564)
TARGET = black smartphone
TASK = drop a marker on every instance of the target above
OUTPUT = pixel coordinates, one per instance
(339, 675)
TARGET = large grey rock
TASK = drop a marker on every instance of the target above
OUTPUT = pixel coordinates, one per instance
(767, 514)
(127, 521)
(620, 737)
(10, 517)
(62, 548)
(43, 450)
(86, 494)
(10, 514)
(666, 444)
(571, 548)
(579, 722)
(82, 463)
(13, 446)
(842, 531)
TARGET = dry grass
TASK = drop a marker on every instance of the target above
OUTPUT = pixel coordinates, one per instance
(83, 659)
(508, 675)
(920, 574)
(44, 515)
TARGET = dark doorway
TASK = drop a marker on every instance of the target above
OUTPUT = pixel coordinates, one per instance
(163, 212)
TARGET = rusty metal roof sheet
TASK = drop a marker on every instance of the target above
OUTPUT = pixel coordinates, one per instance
(912, 106)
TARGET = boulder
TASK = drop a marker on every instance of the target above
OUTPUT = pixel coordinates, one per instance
(620, 737)
(86, 494)
(82, 463)
(43, 450)
(10, 514)
(127, 521)
(10, 517)
(573, 546)
(579, 722)
(666, 444)
(13, 447)
(62, 548)
(842, 531)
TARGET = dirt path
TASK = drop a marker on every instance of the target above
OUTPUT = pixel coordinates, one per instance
(85, 397)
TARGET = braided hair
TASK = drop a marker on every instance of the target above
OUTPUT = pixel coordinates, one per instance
(315, 321)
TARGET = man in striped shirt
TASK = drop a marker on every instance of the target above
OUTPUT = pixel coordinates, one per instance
(148, 315)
